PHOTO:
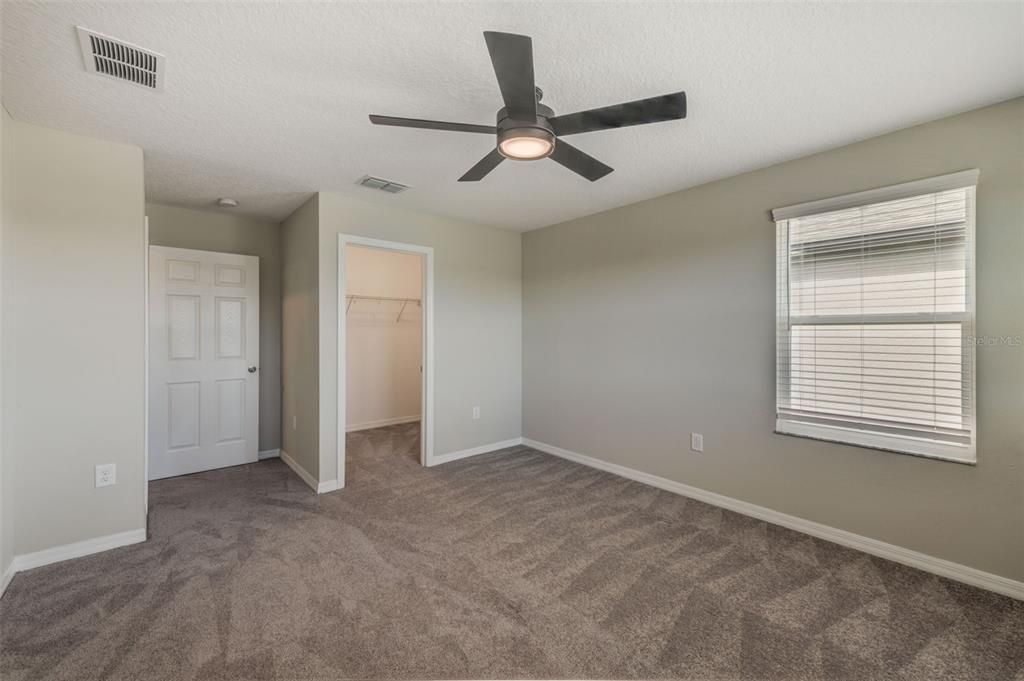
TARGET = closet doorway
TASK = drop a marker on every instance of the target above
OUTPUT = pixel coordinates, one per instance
(385, 334)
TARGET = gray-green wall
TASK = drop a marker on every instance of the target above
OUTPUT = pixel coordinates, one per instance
(477, 321)
(477, 325)
(73, 356)
(651, 321)
(6, 454)
(299, 347)
(229, 233)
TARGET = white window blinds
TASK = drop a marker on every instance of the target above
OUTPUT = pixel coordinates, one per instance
(875, 318)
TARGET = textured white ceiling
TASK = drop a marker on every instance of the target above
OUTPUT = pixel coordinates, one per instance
(267, 103)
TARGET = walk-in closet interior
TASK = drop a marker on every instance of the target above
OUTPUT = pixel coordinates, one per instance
(384, 342)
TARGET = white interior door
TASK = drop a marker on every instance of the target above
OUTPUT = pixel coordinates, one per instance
(204, 347)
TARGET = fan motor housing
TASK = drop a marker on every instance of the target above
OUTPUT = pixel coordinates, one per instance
(535, 126)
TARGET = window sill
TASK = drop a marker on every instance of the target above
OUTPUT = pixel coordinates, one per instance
(884, 443)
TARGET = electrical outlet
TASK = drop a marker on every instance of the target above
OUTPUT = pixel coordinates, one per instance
(697, 442)
(106, 474)
(294, 423)
(476, 413)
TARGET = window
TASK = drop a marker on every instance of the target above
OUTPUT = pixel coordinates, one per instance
(875, 318)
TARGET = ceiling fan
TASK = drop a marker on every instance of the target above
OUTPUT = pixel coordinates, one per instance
(526, 130)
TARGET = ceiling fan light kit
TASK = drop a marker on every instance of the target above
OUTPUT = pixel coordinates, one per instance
(526, 139)
(525, 145)
(527, 130)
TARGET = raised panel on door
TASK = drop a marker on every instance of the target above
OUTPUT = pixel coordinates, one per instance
(183, 327)
(204, 337)
(229, 327)
(183, 408)
(230, 410)
(229, 275)
(183, 271)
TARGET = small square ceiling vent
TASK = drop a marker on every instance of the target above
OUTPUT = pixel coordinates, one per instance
(383, 185)
(118, 59)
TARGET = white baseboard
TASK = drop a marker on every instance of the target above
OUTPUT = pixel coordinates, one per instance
(381, 423)
(898, 554)
(8, 575)
(307, 477)
(56, 554)
(328, 486)
(78, 549)
(269, 454)
(473, 451)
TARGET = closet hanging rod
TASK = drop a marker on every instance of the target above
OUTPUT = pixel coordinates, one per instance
(407, 300)
(380, 299)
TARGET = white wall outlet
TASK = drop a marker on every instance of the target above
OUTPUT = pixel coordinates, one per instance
(476, 413)
(106, 474)
(697, 442)
(294, 423)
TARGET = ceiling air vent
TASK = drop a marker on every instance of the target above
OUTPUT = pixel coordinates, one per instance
(118, 59)
(383, 185)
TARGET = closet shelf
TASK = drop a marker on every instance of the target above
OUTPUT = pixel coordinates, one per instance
(382, 299)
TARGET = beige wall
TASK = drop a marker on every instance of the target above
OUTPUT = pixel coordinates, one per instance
(383, 351)
(477, 320)
(378, 272)
(73, 334)
(227, 233)
(648, 322)
(299, 342)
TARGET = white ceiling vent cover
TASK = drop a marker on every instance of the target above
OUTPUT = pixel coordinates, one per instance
(118, 59)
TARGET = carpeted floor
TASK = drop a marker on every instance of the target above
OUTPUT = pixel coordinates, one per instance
(510, 564)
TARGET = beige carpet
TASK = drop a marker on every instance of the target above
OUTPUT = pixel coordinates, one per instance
(510, 564)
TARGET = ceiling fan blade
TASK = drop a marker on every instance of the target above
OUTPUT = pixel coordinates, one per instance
(651, 110)
(512, 57)
(432, 125)
(483, 166)
(579, 162)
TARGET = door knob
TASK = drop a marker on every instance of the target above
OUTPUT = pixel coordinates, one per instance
(252, 370)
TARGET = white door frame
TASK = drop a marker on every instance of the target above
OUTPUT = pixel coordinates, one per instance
(427, 381)
(145, 378)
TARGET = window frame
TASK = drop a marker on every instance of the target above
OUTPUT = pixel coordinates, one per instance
(860, 436)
